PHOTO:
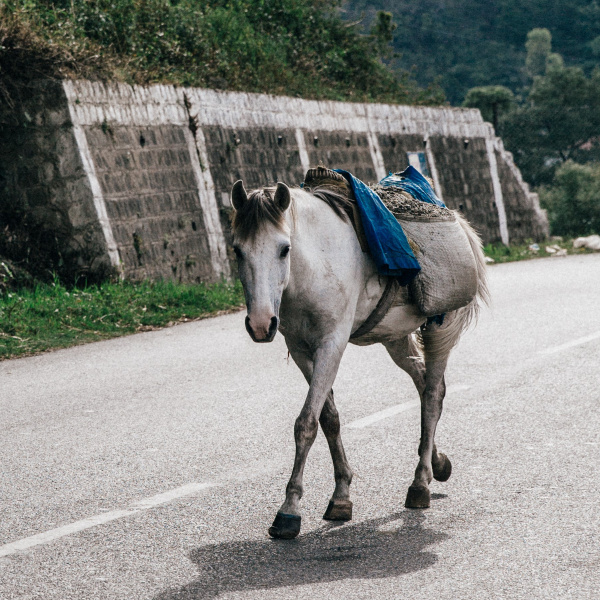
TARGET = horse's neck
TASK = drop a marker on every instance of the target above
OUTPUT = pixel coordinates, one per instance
(328, 269)
(317, 233)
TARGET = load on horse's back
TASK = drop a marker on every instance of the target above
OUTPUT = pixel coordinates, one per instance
(320, 265)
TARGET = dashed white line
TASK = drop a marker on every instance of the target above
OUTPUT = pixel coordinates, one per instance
(572, 343)
(382, 414)
(143, 504)
(396, 409)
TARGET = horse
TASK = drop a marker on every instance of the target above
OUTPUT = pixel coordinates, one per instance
(304, 274)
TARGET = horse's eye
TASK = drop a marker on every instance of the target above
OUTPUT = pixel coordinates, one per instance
(285, 251)
(237, 251)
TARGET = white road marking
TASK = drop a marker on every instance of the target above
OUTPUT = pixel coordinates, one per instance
(396, 409)
(572, 343)
(382, 414)
(105, 517)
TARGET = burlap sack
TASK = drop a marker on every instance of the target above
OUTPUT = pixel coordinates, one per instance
(448, 276)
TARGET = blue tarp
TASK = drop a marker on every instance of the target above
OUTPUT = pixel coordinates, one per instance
(411, 181)
(387, 242)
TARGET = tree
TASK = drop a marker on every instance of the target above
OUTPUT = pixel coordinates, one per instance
(559, 122)
(491, 100)
(573, 201)
(538, 46)
(382, 33)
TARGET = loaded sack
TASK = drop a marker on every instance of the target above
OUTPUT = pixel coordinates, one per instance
(435, 239)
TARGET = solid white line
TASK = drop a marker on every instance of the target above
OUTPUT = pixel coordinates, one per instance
(572, 343)
(144, 504)
(396, 409)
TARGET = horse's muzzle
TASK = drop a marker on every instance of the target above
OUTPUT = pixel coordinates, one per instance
(267, 336)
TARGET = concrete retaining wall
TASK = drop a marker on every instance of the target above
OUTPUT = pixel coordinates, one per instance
(141, 175)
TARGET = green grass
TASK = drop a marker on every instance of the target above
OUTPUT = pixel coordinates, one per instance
(501, 253)
(54, 316)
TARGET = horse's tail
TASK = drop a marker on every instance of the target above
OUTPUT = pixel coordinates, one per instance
(438, 341)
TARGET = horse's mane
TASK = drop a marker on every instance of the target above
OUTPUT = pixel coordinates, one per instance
(339, 202)
(260, 207)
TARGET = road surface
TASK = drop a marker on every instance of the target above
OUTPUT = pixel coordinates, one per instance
(151, 466)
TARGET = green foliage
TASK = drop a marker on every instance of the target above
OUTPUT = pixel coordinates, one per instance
(296, 47)
(538, 45)
(554, 61)
(54, 316)
(573, 201)
(560, 121)
(491, 100)
(383, 33)
(468, 43)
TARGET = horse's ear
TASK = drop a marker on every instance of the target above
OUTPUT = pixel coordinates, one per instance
(238, 195)
(282, 196)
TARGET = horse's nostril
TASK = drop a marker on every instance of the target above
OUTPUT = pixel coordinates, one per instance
(273, 326)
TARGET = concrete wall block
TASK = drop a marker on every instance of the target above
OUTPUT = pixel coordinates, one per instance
(153, 175)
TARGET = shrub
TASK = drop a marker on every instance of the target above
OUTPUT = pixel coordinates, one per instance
(293, 47)
(573, 200)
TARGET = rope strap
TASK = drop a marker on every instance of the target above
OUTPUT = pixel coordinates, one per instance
(384, 304)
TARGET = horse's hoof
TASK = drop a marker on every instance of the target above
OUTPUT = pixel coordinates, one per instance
(443, 472)
(338, 510)
(285, 527)
(418, 497)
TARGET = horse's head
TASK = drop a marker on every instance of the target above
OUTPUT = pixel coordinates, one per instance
(261, 241)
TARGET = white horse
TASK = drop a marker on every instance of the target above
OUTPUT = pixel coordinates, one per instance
(304, 273)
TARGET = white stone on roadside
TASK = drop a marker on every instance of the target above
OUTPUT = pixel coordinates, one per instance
(550, 250)
(561, 252)
(591, 242)
(489, 260)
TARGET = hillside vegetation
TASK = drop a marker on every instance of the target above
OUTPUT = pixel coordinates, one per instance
(294, 47)
(466, 43)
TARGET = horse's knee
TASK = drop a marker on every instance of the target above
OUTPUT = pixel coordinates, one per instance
(305, 428)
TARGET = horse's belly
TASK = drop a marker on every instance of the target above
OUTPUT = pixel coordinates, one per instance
(399, 322)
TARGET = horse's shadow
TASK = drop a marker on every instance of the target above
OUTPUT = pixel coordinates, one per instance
(367, 550)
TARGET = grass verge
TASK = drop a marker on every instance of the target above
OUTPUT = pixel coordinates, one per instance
(52, 316)
(500, 253)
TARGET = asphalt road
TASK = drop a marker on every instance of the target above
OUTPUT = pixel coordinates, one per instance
(151, 466)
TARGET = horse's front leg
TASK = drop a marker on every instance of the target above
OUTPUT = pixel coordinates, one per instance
(326, 361)
(340, 506)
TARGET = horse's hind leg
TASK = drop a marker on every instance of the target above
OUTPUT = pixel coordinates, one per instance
(429, 381)
(340, 506)
(431, 409)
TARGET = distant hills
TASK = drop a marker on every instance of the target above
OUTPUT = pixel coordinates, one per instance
(468, 43)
